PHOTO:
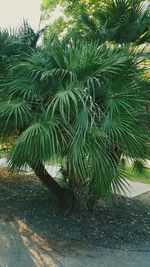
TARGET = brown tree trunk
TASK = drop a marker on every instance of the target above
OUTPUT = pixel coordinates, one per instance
(63, 195)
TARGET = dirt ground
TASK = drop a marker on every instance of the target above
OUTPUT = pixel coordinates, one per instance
(33, 233)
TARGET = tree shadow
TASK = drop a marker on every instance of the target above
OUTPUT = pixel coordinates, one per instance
(22, 247)
(23, 240)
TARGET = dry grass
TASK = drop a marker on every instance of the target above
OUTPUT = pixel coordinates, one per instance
(5, 173)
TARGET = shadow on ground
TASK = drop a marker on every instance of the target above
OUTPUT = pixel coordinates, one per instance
(21, 247)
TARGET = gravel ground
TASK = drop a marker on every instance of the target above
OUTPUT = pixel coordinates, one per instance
(123, 225)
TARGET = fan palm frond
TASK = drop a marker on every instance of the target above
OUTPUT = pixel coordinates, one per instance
(14, 115)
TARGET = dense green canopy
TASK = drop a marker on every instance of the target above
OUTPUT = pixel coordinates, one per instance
(78, 101)
(83, 100)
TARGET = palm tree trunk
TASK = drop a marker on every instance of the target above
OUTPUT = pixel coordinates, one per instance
(48, 181)
(65, 196)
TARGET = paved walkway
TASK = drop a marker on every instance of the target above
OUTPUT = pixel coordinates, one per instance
(21, 247)
(101, 257)
(135, 189)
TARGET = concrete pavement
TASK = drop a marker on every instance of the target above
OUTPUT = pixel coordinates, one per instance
(21, 247)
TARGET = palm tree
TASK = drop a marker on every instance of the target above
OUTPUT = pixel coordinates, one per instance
(83, 103)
